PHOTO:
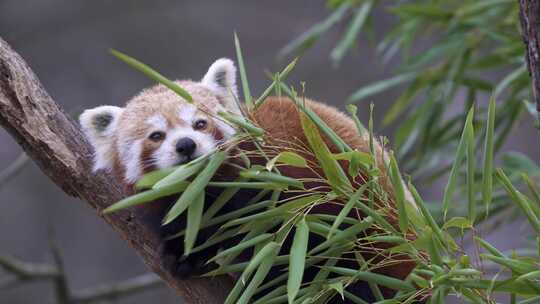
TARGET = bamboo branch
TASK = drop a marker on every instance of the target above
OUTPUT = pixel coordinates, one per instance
(56, 144)
(529, 14)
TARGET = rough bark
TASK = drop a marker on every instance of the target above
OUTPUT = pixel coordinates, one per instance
(530, 24)
(56, 144)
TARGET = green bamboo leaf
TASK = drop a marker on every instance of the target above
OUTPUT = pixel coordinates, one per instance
(536, 196)
(380, 86)
(507, 286)
(270, 249)
(287, 158)
(532, 300)
(331, 168)
(225, 196)
(150, 179)
(145, 197)
(193, 225)
(242, 123)
(308, 38)
(179, 175)
(297, 259)
(194, 188)
(323, 126)
(428, 10)
(377, 217)
(489, 247)
(458, 222)
(397, 183)
(353, 111)
(242, 246)
(151, 73)
(347, 235)
(353, 200)
(353, 298)
(243, 74)
(476, 83)
(281, 76)
(432, 247)
(406, 98)
(426, 214)
(519, 199)
(359, 19)
(487, 172)
(282, 210)
(533, 275)
(518, 162)
(449, 189)
(272, 177)
(338, 286)
(509, 79)
(516, 266)
(470, 156)
(248, 185)
(380, 279)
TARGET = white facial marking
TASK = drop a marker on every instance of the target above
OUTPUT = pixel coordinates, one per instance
(157, 121)
(130, 154)
(166, 156)
(187, 113)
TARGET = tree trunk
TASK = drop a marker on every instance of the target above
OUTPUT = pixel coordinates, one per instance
(57, 145)
(529, 13)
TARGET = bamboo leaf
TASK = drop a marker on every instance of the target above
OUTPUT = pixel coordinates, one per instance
(150, 179)
(380, 279)
(243, 74)
(519, 199)
(487, 172)
(360, 17)
(380, 86)
(272, 177)
(194, 188)
(470, 155)
(151, 73)
(449, 189)
(297, 259)
(179, 175)
(331, 168)
(195, 211)
(145, 197)
(308, 38)
(397, 183)
(353, 200)
(458, 222)
(287, 158)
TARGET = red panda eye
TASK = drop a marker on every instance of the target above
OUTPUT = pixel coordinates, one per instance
(200, 124)
(157, 136)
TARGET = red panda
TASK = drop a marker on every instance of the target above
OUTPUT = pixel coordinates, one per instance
(158, 129)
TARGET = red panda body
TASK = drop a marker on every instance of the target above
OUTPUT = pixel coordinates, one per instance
(158, 129)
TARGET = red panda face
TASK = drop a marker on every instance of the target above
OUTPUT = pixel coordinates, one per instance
(158, 129)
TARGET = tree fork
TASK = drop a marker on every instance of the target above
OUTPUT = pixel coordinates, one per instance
(56, 144)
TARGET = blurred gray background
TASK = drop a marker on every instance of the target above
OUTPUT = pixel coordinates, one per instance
(66, 42)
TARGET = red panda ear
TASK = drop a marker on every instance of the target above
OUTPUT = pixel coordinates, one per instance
(221, 79)
(99, 125)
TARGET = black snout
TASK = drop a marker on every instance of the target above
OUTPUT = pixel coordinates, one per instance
(186, 146)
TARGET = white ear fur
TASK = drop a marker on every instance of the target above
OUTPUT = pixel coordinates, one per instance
(99, 125)
(221, 79)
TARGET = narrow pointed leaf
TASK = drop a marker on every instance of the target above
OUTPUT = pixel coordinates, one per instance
(195, 187)
(297, 259)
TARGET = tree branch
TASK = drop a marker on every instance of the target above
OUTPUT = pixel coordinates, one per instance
(27, 272)
(529, 14)
(56, 144)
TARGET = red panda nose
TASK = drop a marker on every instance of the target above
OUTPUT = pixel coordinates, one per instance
(186, 146)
